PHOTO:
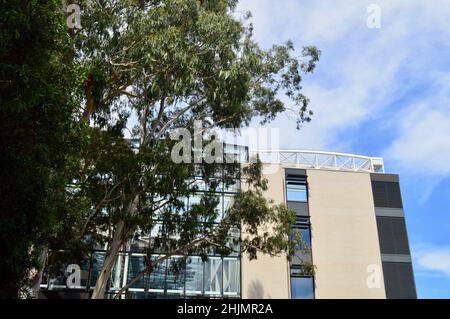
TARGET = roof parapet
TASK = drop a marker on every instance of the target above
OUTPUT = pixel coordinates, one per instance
(321, 160)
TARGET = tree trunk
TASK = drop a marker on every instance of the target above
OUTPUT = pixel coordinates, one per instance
(120, 235)
(110, 259)
(35, 275)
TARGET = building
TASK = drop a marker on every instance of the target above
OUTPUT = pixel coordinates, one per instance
(351, 214)
(348, 210)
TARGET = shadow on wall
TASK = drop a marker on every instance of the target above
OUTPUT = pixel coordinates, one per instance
(256, 290)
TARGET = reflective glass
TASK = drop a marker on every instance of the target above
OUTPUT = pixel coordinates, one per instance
(194, 276)
(231, 278)
(302, 288)
(296, 192)
(157, 276)
(136, 264)
(175, 275)
(213, 276)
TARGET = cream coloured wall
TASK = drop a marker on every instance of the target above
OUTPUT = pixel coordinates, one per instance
(344, 235)
(267, 277)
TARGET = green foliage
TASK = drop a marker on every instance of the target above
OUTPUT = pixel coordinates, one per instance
(39, 137)
(169, 63)
(165, 62)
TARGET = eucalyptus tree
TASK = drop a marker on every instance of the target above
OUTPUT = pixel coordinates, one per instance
(168, 63)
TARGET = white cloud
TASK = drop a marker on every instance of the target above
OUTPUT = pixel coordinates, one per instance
(432, 261)
(363, 71)
(423, 138)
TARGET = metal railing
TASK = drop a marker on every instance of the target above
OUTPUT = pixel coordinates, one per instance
(321, 160)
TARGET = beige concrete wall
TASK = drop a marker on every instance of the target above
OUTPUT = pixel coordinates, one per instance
(267, 277)
(344, 234)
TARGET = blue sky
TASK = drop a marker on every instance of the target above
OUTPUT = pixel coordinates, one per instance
(379, 92)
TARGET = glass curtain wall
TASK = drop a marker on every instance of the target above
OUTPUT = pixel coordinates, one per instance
(178, 276)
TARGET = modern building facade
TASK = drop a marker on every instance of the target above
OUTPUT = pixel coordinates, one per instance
(348, 211)
(351, 214)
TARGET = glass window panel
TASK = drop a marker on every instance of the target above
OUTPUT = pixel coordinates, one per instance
(233, 187)
(136, 264)
(234, 236)
(231, 276)
(194, 276)
(194, 200)
(219, 209)
(157, 276)
(85, 264)
(227, 202)
(136, 295)
(199, 184)
(139, 244)
(184, 201)
(302, 288)
(58, 279)
(156, 230)
(296, 192)
(306, 235)
(98, 259)
(213, 276)
(218, 187)
(175, 275)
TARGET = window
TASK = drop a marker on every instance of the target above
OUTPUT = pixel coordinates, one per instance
(296, 190)
(136, 264)
(98, 259)
(303, 226)
(213, 276)
(303, 254)
(175, 275)
(306, 235)
(194, 276)
(231, 272)
(158, 276)
(302, 287)
(302, 281)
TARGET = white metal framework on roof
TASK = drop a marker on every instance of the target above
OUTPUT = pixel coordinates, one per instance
(321, 160)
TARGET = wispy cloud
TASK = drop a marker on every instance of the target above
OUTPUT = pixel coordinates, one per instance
(432, 261)
(391, 81)
(424, 131)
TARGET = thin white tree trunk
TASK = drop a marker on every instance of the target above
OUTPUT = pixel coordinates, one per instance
(110, 259)
(119, 236)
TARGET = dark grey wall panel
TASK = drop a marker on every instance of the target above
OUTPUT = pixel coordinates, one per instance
(399, 280)
(295, 171)
(300, 208)
(394, 258)
(384, 177)
(392, 235)
(389, 212)
(386, 194)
